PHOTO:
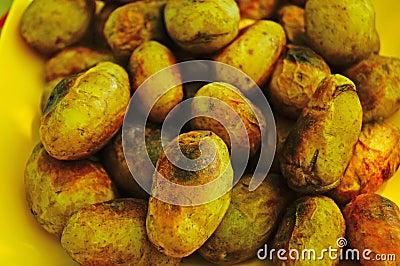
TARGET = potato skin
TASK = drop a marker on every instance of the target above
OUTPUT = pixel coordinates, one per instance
(376, 159)
(178, 230)
(112, 233)
(373, 222)
(311, 222)
(257, 9)
(48, 33)
(291, 17)
(320, 146)
(249, 221)
(56, 189)
(377, 79)
(85, 111)
(202, 26)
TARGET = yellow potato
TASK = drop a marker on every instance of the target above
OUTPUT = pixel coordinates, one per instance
(291, 17)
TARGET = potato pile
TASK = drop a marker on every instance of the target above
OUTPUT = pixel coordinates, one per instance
(331, 92)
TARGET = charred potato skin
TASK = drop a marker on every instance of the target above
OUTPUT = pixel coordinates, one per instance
(373, 222)
(375, 159)
(320, 146)
(56, 189)
(311, 222)
(112, 233)
(249, 220)
(85, 111)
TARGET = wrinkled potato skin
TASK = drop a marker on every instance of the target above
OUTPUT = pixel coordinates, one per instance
(48, 33)
(376, 159)
(112, 233)
(255, 52)
(291, 18)
(342, 31)
(176, 230)
(295, 78)
(373, 222)
(249, 114)
(312, 222)
(202, 26)
(146, 60)
(56, 189)
(85, 111)
(251, 218)
(378, 80)
(320, 146)
(257, 9)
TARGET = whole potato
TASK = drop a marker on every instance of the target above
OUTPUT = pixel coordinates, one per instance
(146, 60)
(84, 112)
(202, 26)
(310, 223)
(51, 25)
(257, 9)
(249, 221)
(56, 189)
(112, 233)
(320, 146)
(179, 230)
(342, 31)
(291, 17)
(373, 223)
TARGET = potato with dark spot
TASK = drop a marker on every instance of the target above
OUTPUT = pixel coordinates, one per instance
(112, 233)
(312, 225)
(291, 18)
(320, 146)
(250, 220)
(84, 112)
(47, 90)
(373, 223)
(257, 9)
(56, 189)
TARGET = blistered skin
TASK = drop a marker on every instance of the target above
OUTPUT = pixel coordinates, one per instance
(320, 146)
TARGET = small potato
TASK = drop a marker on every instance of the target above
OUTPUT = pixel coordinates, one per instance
(378, 80)
(51, 25)
(291, 18)
(373, 222)
(84, 112)
(295, 78)
(341, 31)
(257, 9)
(251, 218)
(146, 60)
(112, 233)
(375, 159)
(130, 25)
(99, 21)
(255, 52)
(202, 26)
(56, 189)
(310, 223)
(320, 146)
(210, 99)
(180, 229)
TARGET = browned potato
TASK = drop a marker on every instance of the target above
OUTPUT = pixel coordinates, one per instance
(378, 80)
(375, 159)
(51, 25)
(99, 21)
(295, 78)
(112, 233)
(320, 146)
(310, 223)
(250, 220)
(56, 189)
(291, 18)
(257, 9)
(373, 223)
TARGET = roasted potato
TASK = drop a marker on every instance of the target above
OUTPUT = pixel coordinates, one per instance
(84, 112)
(377, 79)
(291, 17)
(257, 9)
(341, 31)
(310, 223)
(180, 227)
(320, 146)
(375, 159)
(249, 220)
(56, 189)
(51, 25)
(373, 223)
(112, 233)
(202, 26)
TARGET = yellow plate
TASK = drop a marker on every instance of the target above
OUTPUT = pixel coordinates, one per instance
(22, 241)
